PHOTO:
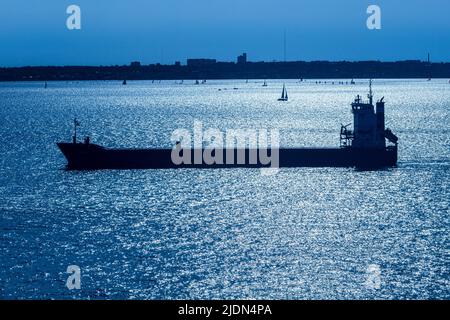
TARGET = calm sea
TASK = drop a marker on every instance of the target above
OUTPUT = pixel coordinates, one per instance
(320, 233)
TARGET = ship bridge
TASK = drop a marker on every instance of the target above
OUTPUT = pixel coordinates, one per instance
(368, 125)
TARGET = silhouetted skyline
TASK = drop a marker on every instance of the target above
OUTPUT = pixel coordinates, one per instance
(165, 31)
(212, 69)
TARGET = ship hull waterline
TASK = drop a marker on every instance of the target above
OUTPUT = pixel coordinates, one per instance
(94, 157)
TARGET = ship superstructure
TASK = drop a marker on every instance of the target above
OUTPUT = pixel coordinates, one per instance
(369, 130)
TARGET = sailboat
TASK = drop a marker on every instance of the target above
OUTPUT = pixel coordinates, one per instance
(124, 82)
(284, 94)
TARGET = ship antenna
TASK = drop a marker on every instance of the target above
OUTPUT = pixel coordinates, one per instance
(370, 92)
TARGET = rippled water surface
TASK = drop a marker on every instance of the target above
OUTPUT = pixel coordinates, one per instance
(232, 233)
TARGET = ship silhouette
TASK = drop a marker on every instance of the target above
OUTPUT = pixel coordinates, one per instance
(363, 147)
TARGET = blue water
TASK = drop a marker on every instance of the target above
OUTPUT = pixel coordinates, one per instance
(233, 233)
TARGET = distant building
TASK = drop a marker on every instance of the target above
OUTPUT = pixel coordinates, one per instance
(200, 62)
(177, 63)
(242, 59)
(135, 64)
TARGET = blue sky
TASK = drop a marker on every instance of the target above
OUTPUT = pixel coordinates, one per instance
(33, 32)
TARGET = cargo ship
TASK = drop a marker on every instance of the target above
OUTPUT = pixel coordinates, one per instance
(367, 145)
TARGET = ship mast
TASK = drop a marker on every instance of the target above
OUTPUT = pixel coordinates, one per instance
(370, 92)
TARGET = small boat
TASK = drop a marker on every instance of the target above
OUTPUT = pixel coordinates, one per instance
(45, 86)
(265, 83)
(284, 94)
(352, 82)
(197, 82)
(124, 82)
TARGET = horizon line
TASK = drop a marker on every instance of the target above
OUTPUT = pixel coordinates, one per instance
(217, 61)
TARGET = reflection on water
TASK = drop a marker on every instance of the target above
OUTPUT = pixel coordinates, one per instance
(231, 233)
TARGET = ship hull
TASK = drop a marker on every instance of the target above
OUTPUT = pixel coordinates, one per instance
(93, 157)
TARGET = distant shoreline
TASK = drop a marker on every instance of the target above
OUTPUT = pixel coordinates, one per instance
(409, 69)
